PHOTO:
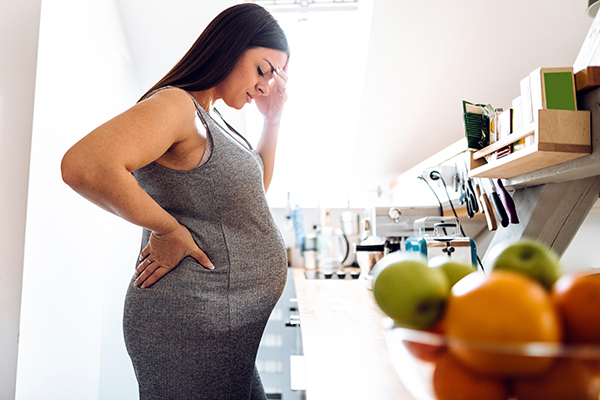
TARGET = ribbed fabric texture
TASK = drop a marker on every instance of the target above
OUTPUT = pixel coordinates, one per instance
(195, 333)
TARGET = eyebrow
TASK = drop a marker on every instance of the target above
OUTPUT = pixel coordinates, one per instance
(272, 67)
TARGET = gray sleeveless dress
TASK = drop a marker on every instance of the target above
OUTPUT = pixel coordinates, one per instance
(195, 333)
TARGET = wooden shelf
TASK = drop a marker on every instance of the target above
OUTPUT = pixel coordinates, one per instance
(588, 78)
(558, 136)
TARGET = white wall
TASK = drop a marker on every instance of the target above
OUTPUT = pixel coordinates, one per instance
(583, 253)
(19, 22)
(78, 258)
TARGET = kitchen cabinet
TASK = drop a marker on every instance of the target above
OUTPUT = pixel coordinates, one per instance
(280, 345)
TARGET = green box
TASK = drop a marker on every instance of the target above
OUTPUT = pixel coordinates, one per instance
(559, 90)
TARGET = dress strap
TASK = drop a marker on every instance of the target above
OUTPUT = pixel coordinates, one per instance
(200, 111)
(231, 128)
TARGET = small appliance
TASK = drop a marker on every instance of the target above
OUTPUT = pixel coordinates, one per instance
(440, 237)
(394, 224)
(332, 249)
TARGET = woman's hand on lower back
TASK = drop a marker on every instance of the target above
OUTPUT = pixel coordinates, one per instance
(164, 252)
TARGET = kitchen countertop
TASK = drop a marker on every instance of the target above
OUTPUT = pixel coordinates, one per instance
(343, 342)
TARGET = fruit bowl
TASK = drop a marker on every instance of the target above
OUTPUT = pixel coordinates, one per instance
(433, 366)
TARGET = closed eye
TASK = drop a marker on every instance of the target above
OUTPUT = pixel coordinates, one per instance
(260, 72)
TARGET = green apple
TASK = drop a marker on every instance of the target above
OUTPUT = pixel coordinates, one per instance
(408, 291)
(528, 257)
(454, 270)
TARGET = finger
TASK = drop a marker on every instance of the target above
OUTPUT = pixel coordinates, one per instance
(156, 275)
(287, 63)
(280, 77)
(142, 266)
(278, 83)
(148, 270)
(283, 74)
(203, 259)
(145, 252)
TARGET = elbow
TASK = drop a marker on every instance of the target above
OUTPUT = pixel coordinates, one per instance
(73, 170)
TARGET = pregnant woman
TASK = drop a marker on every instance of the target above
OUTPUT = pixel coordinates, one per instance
(213, 263)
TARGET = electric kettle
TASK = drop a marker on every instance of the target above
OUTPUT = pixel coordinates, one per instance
(332, 249)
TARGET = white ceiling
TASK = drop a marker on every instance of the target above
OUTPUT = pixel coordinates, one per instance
(424, 58)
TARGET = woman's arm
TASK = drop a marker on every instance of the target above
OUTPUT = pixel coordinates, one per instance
(99, 168)
(267, 146)
(271, 107)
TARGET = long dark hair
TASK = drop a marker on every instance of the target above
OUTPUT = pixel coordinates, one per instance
(215, 53)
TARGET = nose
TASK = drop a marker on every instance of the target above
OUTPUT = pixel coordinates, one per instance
(263, 88)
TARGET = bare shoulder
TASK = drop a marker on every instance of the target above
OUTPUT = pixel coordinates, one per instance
(167, 114)
(171, 100)
(144, 133)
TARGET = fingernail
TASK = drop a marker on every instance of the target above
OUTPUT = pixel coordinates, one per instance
(210, 265)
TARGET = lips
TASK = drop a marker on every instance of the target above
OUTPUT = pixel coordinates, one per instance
(249, 97)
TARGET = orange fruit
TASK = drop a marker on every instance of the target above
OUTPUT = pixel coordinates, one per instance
(567, 379)
(454, 381)
(577, 299)
(501, 308)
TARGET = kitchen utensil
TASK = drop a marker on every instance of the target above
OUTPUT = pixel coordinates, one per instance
(349, 221)
(500, 211)
(332, 249)
(297, 217)
(478, 195)
(463, 196)
(467, 198)
(368, 252)
(470, 196)
(508, 202)
(441, 237)
(455, 179)
(309, 251)
(488, 211)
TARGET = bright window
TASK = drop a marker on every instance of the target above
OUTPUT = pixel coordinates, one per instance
(319, 131)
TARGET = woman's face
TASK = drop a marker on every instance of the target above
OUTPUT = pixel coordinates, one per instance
(250, 77)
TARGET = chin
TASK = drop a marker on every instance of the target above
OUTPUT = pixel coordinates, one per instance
(237, 106)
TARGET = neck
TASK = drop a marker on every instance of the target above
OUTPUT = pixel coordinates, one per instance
(205, 98)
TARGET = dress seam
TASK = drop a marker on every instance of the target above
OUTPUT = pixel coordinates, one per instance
(229, 311)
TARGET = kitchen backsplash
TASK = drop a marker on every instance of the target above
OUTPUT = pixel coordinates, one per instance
(312, 220)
